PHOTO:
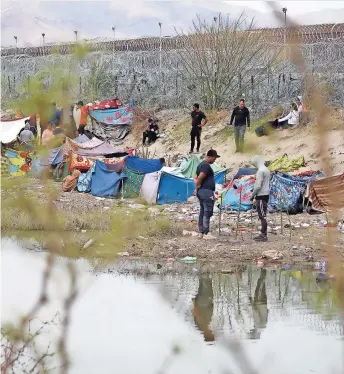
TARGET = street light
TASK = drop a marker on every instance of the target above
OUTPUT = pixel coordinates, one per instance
(76, 36)
(43, 35)
(284, 10)
(160, 50)
(16, 39)
(113, 28)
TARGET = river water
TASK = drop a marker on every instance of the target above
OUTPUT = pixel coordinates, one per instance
(285, 321)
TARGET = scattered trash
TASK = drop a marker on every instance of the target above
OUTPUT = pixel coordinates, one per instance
(286, 267)
(189, 260)
(321, 277)
(100, 198)
(320, 265)
(83, 231)
(170, 259)
(227, 271)
(309, 258)
(190, 233)
(158, 266)
(272, 255)
(260, 263)
(106, 208)
(123, 254)
(195, 270)
(136, 206)
(88, 244)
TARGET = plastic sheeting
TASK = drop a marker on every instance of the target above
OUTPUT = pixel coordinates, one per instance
(105, 182)
(143, 165)
(9, 130)
(85, 180)
(231, 198)
(114, 117)
(150, 187)
(101, 150)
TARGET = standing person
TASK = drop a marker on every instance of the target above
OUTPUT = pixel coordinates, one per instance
(260, 194)
(83, 118)
(205, 191)
(196, 129)
(241, 118)
(47, 134)
(56, 115)
(26, 137)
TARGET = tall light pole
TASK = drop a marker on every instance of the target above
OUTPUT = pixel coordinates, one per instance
(76, 35)
(43, 35)
(284, 10)
(113, 28)
(16, 39)
(160, 51)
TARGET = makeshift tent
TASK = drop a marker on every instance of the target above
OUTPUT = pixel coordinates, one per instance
(174, 189)
(106, 104)
(143, 165)
(85, 180)
(113, 123)
(286, 193)
(15, 163)
(9, 130)
(326, 193)
(105, 182)
(103, 149)
(285, 164)
(150, 187)
(133, 182)
(231, 197)
(189, 167)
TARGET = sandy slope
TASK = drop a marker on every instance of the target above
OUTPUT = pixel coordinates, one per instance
(295, 142)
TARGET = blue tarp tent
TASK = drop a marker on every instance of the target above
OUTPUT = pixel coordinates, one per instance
(245, 171)
(173, 189)
(143, 165)
(105, 182)
(231, 197)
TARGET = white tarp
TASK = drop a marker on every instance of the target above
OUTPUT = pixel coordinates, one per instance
(10, 129)
(150, 187)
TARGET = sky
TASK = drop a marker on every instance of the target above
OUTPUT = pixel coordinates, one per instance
(27, 19)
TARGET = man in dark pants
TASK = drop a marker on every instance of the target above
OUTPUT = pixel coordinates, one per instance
(151, 133)
(196, 129)
(241, 118)
(261, 193)
(205, 191)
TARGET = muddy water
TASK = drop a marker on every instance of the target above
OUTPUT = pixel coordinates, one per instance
(129, 324)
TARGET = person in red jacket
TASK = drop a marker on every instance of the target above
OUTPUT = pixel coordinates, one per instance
(83, 118)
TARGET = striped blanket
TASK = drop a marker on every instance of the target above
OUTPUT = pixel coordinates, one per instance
(327, 192)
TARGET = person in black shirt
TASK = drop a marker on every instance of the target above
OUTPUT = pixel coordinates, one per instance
(205, 191)
(196, 129)
(241, 117)
(151, 133)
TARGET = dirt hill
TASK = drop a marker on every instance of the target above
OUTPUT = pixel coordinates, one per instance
(175, 124)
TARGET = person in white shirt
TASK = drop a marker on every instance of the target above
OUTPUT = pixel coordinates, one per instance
(293, 118)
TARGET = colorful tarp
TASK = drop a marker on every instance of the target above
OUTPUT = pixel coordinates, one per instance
(15, 163)
(286, 193)
(285, 164)
(101, 150)
(231, 197)
(143, 165)
(326, 193)
(85, 180)
(9, 130)
(105, 182)
(133, 182)
(114, 117)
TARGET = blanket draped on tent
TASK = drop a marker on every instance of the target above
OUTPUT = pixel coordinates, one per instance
(285, 164)
(114, 117)
(286, 193)
(150, 187)
(105, 182)
(189, 167)
(323, 190)
(143, 165)
(85, 180)
(133, 182)
(9, 130)
(231, 197)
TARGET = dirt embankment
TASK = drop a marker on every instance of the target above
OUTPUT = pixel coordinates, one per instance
(304, 140)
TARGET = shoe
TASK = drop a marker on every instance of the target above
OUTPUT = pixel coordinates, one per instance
(200, 236)
(260, 238)
(191, 152)
(209, 237)
(197, 151)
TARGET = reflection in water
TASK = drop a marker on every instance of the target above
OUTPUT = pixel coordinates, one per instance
(203, 307)
(259, 307)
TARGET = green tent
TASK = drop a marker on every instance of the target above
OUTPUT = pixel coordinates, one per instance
(190, 167)
(133, 182)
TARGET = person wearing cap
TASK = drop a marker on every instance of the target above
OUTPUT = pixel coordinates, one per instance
(205, 191)
(83, 118)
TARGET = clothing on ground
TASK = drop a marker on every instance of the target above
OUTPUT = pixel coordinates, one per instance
(262, 184)
(208, 182)
(284, 163)
(241, 117)
(206, 201)
(239, 136)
